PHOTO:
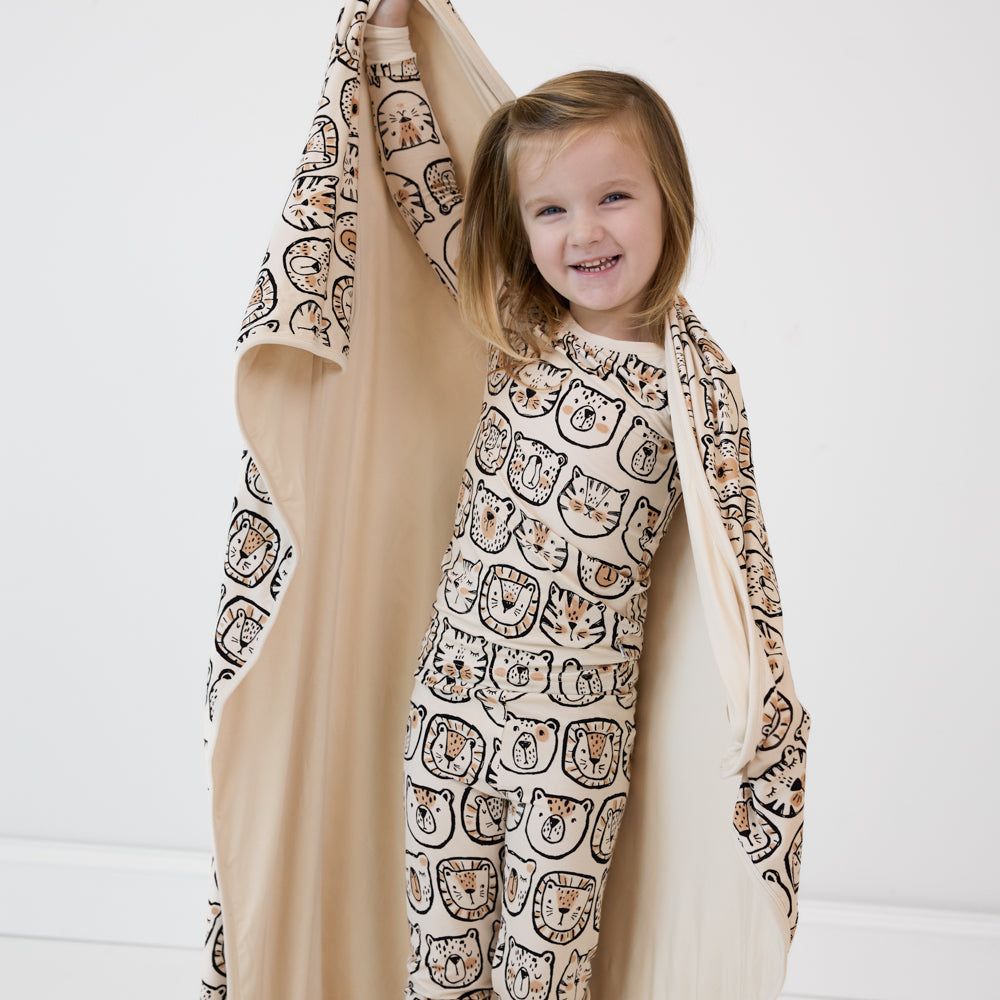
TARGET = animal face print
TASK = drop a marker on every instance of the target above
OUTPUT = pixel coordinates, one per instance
(533, 470)
(535, 387)
(609, 819)
(527, 973)
(346, 238)
(758, 834)
(404, 121)
(556, 824)
(308, 320)
(455, 961)
(517, 668)
(311, 203)
(720, 404)
(349, 180)
(418, 882)
(571, 620)
(468, 887)
(508, 602)
(644, 454)
(414, 721)
(483, 816)
(517, 872)
(781, 788)
(307, 265)
(429, 815)
(646, 384)
(541, 547)
(583, 685)
(461, 583)
(603, 579)
(453, 748)
(593, 752)
(493, 441)
(406, 195)
(561, 905)
(599, 361)
(575, 977)
(212, 992)
(459, 663)
(464, 504)
(238, 629)
(640, 529)
(490, 527)
(777, 720)
(762, 585)
(320, 152)
(587, 417)
(252, 549)
(529, 745)
(589, 507)
(439, 177)
(262, 298)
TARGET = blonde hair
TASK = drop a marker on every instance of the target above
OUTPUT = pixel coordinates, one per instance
(501, 293)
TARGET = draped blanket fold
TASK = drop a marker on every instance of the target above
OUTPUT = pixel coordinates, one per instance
(357, 389)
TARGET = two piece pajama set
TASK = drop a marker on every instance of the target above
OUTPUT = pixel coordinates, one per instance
(522, 716)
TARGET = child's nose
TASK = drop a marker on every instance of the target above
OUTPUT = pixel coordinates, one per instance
(586, 231)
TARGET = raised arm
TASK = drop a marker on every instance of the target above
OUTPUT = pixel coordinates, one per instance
(412, 151)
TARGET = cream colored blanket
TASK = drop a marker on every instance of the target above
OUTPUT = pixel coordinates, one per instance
(357, 392)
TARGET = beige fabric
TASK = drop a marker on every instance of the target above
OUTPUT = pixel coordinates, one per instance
(361, 458)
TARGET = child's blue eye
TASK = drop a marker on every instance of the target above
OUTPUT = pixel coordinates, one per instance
(550, 210)
(617, 196)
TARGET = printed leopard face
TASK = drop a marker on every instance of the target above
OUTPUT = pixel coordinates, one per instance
(493, 441)
(571, 620)
(453, 749)
(419, 891)
(561, 905)
(491, 515)
(645, 383)
(535, 387)
(534, 469)
(762, 585)
(591, 508)
(311, 202)
(468, 886)
(350, 107)
(519, 668)
(429, 815)
(556, 824)
(644, 454)
(541, 547)
(404, 121)
(529, 745)
(455, 961)
(527, 973)
(212, 992)
(587, 417)
(593, 752)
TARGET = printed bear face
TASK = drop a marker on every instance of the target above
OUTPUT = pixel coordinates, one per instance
(590, 507)
(533, 470)
(580, 685)
(307, 265)
(455, 961)
(529, 745)
(491, 514)
(517, 873)
(419, 892)
(644, 454)
(556, 824)
(517, 668)
(429, 816)
(527, 973)
(587, 417)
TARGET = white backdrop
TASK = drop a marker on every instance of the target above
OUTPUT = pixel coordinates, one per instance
(845, 160)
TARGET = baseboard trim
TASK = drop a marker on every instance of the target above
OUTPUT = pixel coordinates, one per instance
(152, 897)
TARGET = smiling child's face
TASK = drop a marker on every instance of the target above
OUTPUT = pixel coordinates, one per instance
(593, 215)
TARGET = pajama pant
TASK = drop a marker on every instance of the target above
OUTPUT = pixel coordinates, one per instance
(513, 803)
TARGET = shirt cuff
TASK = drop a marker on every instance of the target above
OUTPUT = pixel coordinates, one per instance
(385, 44)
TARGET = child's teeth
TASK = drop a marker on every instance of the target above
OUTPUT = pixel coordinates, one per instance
(598, 265)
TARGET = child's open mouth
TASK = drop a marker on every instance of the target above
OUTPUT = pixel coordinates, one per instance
(593, 266)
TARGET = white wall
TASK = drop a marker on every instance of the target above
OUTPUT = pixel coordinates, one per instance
(845, 159)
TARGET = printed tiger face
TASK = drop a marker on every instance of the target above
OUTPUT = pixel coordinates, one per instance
(349, 179)
(404, 120)
(455, 961)
(781, 788)
(308, 320)
(419, 892)
(527, 973)
(542, 547)
(645, 383)
(463, 505)
(461, 583)
(587, 417)
(720, 404)
(529, 745)
(758, 834)
(590, 507)
(556, 824)
(599, 361)
(406, 195)
(535, 387)
(262, 299)
(482, 817)
(574, 979)
(320, 152)
(459, 664)
(562, 904)
(311, 202)
(571, 620)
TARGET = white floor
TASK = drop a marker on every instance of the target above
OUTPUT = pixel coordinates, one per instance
(40, 969)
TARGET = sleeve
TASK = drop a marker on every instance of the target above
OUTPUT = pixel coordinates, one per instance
(412, 151)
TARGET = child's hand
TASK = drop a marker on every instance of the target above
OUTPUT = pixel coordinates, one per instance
(392, 13)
